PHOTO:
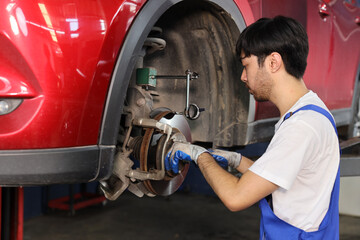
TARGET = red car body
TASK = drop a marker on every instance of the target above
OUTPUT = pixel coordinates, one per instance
(70, 63)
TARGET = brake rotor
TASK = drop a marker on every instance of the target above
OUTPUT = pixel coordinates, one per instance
(151, 152)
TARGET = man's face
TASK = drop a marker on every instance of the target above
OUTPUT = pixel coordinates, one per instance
(256, 78)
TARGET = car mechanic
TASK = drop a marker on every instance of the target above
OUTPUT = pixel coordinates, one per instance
(300, 168)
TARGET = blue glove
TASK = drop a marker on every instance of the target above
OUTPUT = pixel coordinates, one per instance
(225, 158)
(182, 152)
(219, 159)
(172, 162)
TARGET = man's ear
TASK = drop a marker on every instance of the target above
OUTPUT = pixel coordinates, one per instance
(275, 62)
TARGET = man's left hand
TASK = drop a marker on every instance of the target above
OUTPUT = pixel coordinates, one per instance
(184, 152)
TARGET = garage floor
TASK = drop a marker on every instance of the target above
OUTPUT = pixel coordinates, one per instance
(180, 216)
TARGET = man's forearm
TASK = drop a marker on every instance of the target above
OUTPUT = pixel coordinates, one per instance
(222, 182)
(236, 193)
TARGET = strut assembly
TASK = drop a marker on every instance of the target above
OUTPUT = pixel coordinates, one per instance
(147, 77)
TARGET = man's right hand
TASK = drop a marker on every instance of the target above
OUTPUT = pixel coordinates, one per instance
(233, 158)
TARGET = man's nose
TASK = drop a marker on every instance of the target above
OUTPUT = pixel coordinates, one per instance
(243, 76)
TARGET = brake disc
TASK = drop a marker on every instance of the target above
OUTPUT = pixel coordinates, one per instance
(151, 154)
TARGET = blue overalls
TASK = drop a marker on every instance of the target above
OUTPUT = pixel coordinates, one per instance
(273, 228)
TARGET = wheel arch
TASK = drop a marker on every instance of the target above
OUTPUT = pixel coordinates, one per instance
(131, 49)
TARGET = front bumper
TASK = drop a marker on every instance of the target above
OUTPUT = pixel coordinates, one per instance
(53, 166)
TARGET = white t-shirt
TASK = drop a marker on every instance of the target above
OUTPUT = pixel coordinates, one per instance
(302, 159)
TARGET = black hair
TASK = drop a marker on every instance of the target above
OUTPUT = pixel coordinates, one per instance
(280, 34)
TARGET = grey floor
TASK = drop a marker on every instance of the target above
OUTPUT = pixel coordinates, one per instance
(180, 216)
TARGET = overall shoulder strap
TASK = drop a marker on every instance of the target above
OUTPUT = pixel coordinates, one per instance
(316, 109)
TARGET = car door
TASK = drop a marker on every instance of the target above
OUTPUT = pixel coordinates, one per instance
(345, 50)
(320, 33)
